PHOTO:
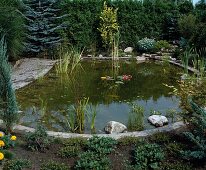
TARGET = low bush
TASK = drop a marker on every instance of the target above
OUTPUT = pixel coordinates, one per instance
(148, 156)
(146, 44)
(17, 164)
(162, 44)
(69, 151)
(38, 140)
(101, 145)
(177, 165)
(51, 165)
(160, 138)
(92, 160)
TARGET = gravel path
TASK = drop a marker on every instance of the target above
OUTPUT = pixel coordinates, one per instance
(27, 70)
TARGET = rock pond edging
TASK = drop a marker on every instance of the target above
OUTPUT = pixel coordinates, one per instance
(172, 127)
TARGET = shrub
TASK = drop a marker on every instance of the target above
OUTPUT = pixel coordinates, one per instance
(12, 25)
(162, 44)
(187, 25)
(101, 145)
(51, 165)
(69, 151)
(108, 24)
(17, 164)
(146, 44)
(92, 160)
(197, 135)
(148, 156)
(8, 104)
(128, 140)
(177, 165)
(160, 138)
(38, 140)
(75, 142)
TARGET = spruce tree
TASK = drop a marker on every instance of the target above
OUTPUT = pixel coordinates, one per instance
(43, 23)
(8, 104)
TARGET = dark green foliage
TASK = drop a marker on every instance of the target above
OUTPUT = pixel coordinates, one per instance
(91, 160)
(96, 155)
(8, 104)
(197, 135)
(8, 142)
(12, 25)
(160, 138)
(75, 142)
(42, 26)
(174, 148)
(137, 20)
(177, 165)
(83, 17)
(148, 156)
(101, 145)
(51, 165)
(38, 140)
(128, 140)
(7, 154)
(69, 151)
(17, 164)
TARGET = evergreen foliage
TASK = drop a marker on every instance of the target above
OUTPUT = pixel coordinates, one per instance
(197, 135)
(8, 106)
(12, 25)
(42, 25)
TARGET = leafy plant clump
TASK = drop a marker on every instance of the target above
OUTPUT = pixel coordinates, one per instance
(197, 135)
(38, 140)
(92, 160)
(146, 44)
(101, 145)
(136, 118)
(162, 44)
(17, 164)
(51, 165)
(148, 156)
(69, 151)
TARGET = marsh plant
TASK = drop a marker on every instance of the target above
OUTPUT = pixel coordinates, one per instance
(69, 59)
(92, 114)
(185, 59)
(136, 118)
(199, 63)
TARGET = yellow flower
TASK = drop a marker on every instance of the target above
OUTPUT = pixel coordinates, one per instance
(1, 134)
(13, 138)
(2, 143)
(1, 156)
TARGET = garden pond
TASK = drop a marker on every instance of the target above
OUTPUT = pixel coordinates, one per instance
(49, 99)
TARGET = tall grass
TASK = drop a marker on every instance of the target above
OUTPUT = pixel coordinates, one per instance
(136, 118)
(69, 59)
(185, 59)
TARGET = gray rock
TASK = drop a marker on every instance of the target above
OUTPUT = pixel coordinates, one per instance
(100, 56)
(128, 50)
(114, 127)
(141, 58)
(158, 120)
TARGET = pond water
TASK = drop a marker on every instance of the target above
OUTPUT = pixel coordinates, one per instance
(49, 99)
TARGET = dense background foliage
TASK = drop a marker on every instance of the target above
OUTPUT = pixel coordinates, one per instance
(158, 19)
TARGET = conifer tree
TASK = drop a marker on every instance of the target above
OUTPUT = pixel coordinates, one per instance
(42, 25)
(8, 104)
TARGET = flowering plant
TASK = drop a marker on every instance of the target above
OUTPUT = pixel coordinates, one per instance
(6, 142)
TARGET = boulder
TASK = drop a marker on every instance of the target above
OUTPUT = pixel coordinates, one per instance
(128, 50)
(141, 58)
(158, 120)
(114, 127)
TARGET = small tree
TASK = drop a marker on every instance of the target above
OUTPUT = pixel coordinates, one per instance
(108, 24)
(42, 26)
(8, 104)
